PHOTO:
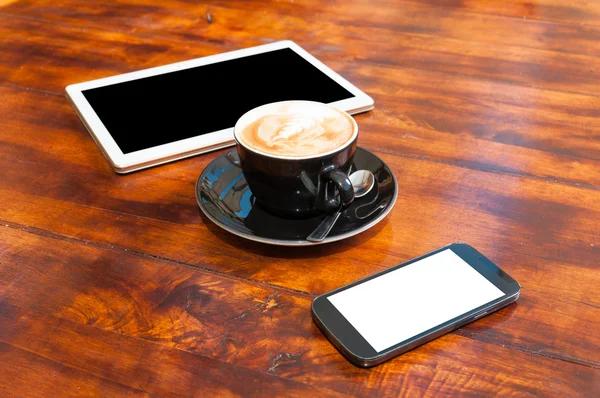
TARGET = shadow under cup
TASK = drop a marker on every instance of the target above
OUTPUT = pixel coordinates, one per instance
(303, 187)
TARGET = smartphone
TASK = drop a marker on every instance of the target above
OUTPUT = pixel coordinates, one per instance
(386, 314)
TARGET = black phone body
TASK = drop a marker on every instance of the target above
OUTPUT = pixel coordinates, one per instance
(391, 312)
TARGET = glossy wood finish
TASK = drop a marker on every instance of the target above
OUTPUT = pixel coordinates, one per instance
(487, 112)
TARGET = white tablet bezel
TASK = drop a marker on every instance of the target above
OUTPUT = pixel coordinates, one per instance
(125, 163)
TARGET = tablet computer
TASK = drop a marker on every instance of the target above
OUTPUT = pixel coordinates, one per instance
(158, 115)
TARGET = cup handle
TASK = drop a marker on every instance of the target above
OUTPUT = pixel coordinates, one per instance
(344, 187)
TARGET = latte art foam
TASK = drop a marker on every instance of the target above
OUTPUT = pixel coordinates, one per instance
(296, 129)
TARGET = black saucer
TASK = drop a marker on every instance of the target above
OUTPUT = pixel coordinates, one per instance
(224, 196)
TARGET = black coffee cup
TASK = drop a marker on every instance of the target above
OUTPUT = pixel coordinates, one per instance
(298, 186)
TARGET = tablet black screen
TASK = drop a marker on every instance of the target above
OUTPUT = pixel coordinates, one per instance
(156, 110)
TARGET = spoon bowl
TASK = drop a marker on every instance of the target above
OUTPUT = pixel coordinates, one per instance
(362, 182)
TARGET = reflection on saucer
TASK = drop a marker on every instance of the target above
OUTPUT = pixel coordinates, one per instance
(223, 195)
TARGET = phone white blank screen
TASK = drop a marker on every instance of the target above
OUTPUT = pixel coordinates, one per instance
(401, 304)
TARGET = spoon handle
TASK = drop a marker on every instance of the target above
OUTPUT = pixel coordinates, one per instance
(323, 229)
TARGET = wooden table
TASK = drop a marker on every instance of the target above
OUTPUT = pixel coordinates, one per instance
(487, 112)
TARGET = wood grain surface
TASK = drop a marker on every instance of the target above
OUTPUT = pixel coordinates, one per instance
(487, 112)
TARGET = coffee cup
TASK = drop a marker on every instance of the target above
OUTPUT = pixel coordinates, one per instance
(296, 157)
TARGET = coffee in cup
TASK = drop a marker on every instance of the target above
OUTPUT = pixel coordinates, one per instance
(296, 156)
(297, 129)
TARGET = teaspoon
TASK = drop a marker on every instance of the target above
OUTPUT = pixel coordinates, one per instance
(362, 183)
